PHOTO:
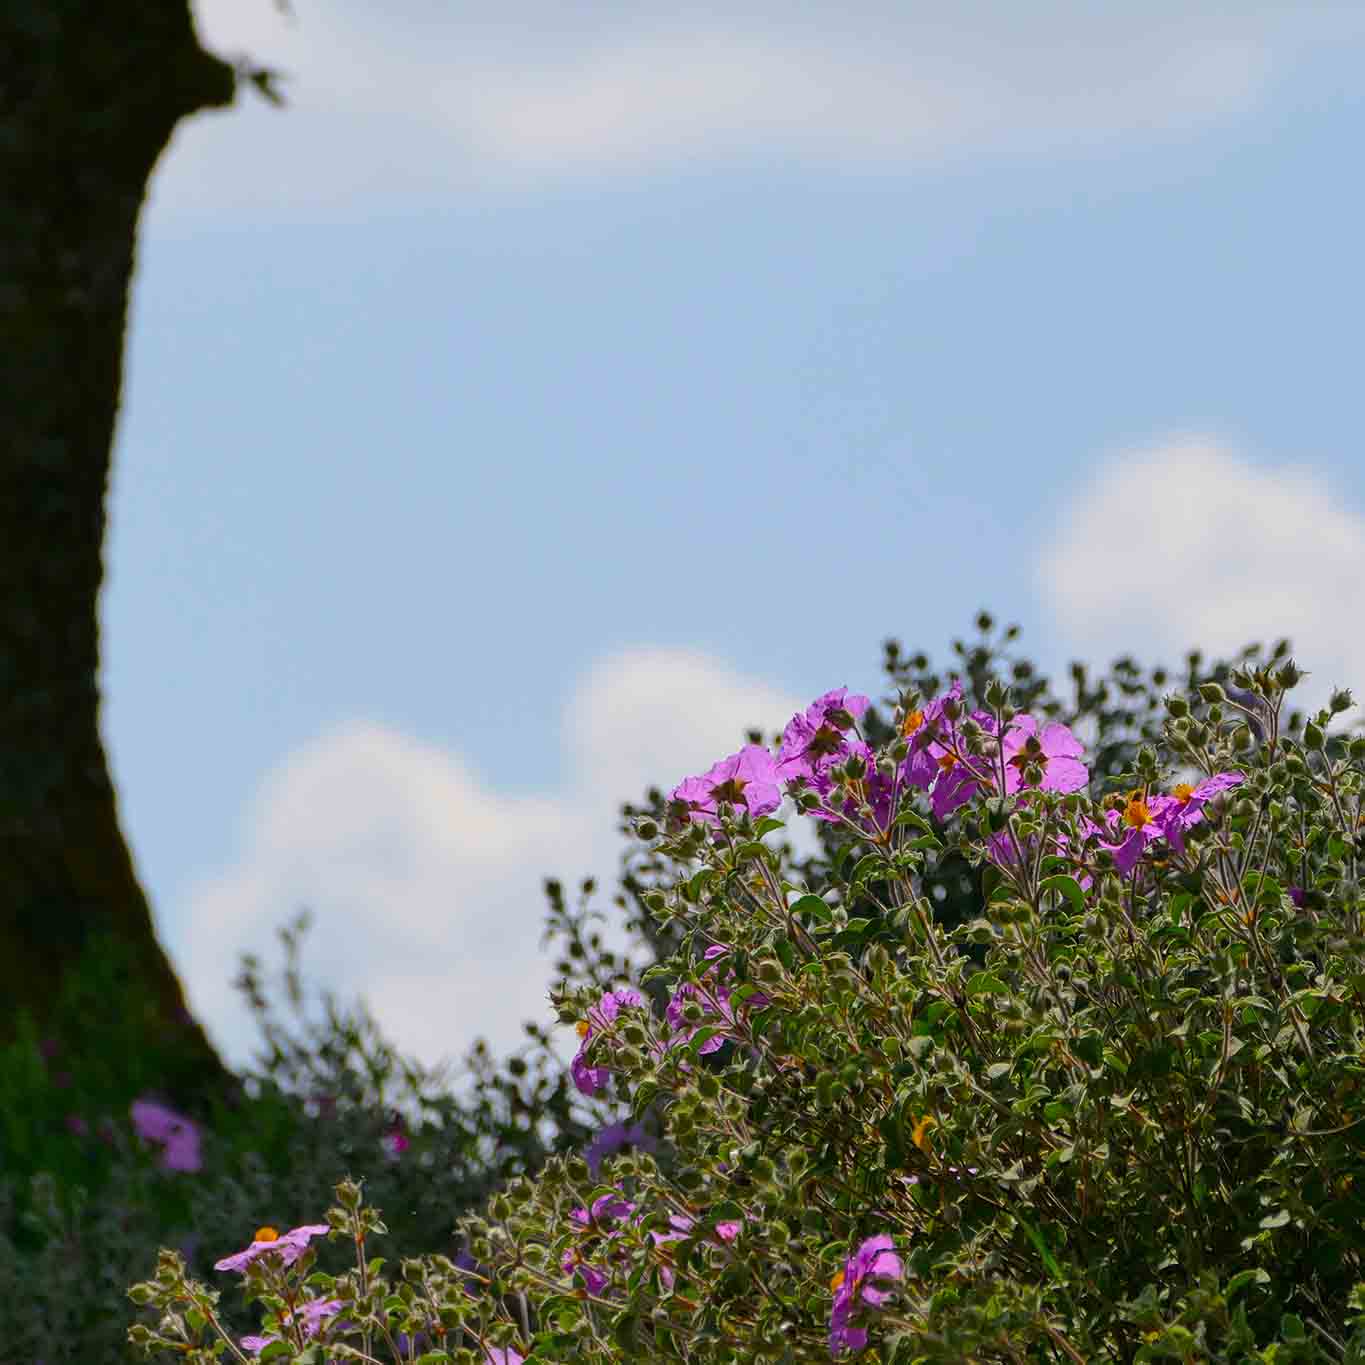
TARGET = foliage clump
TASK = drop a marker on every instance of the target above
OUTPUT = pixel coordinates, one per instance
(1052, 1050)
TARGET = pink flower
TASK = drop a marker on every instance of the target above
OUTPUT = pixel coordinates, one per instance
(288, 1246)
(178, 1136)
(605, 1218)
(872, 790)
(1185, 805)
(395, 1142)
(861, 1282)
(1142, 820)
(713, 997)
(745, 780)
(312, 1314)
(590, 1079)
(817, 738)
(1056, 751)
(503, 1355)
(932, 737)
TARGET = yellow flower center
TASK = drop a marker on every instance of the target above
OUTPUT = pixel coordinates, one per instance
(266, 1234)
(731, 791)
(948, 762)
(837, 1283)
(1182, 791)
(1136, 813)
(919, 1135)
(913, 720)
(583, 1027)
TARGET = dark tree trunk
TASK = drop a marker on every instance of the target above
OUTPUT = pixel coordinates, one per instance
(90, 91)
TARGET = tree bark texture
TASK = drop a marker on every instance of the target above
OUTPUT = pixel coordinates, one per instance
(90, 91)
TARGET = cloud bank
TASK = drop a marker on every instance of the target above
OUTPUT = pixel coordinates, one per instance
(413, 97)
(425, 877)
(1186, 542)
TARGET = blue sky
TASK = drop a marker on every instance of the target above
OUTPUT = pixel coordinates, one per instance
(512, 420)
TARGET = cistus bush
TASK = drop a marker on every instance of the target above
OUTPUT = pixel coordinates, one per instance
(1053, 1051)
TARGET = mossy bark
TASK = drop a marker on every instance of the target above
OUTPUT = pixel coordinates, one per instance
(90, 92)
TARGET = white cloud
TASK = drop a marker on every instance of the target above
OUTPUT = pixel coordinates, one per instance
(426, 878)
(1187, 543)
(409, 96)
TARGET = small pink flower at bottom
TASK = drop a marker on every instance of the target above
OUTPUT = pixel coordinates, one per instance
(287, 1246)
(861, 1283)
(503, 1355)
(312, 1315)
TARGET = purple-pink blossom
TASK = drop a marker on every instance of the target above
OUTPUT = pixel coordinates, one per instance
(503, 1355)
(1054, 751)
(288, 1246)
(1185, 805)
(861, 1283)
(712, 995)
(872, 789)
(680, 1225)
(1130, 829)
(588, 1078)
(178, 1136)
(932, 739)
(746, 780)
(818, 737)
(605, 1217)
(311, 1315)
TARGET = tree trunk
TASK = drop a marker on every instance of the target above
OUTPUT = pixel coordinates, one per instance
(90, 92)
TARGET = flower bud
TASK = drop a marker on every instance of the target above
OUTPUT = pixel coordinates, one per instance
(996, 694)
(348, 1195)
(1211, 692)
(1177, 706)
(1340, 700)
(646, 829)
(1313, 738)
(1289, 675)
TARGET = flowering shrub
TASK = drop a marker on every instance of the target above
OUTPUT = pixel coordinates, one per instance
(1053, 1052)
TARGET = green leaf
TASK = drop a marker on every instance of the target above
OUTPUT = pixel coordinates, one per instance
(1068, 887)
(868, 865)
(1243, 1278)
(812, 906)
(910, 816)
(986, 983)
(1049, 1260)
(767, 825)
(1275, 1220)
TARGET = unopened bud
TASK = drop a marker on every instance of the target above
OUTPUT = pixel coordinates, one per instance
(1289, 675)
(1211, 692)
